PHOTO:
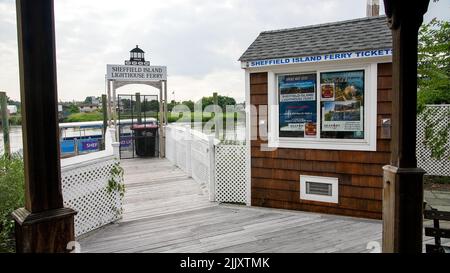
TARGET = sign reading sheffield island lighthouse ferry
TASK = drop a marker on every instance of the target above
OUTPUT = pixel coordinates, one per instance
(137, 70)
(136, 73)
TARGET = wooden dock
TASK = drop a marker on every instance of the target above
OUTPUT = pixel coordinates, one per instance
(166, 211)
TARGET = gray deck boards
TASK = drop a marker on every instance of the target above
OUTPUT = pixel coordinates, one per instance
(166, 211)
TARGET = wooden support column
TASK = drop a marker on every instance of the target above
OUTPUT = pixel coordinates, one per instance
(108, 88)
(166, 111)
(403, 181)
(138, 108)
(105, 119)
(44, 225)
(5, 123)
(114, 109)
(216, 116)
(166, 119)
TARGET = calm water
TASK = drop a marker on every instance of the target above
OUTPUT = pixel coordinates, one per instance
(15, 136)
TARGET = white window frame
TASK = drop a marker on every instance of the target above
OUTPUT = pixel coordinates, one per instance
(334, 198)
(369, 143)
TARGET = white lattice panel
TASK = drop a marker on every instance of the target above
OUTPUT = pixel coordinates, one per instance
(231, 173)
(441, 115)
(85, 190)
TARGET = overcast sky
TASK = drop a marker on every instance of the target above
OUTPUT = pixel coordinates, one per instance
(199, 41)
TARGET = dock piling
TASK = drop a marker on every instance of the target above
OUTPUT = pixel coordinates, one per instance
(5, 123)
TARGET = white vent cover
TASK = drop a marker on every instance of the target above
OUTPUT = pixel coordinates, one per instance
(320, 189)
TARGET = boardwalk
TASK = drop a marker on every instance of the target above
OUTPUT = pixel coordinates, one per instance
(166, 211)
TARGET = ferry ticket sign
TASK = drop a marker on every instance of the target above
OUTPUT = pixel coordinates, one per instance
(319, 58)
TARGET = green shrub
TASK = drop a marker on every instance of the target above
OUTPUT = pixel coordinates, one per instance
(12, 197)
(15, 120)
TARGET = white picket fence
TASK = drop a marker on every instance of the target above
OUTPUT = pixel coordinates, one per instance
(84, 185)
(221, 169)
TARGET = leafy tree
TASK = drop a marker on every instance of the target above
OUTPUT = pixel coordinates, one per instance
(9, 101)
(73, 108)
(223, 101)
(434, 83)
(150, 105)
(434, 64)
(90, 99)
(171, 105)
(189, 104)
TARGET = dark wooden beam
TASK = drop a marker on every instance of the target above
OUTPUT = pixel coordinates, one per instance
(403, 181)
(44, 225)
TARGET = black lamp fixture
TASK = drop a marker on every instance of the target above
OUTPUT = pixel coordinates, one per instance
(137, 57)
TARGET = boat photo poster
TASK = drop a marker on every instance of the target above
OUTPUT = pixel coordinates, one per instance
(298, 105)
(342, 103)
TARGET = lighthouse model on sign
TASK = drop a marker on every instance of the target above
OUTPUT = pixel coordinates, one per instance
(137, 57)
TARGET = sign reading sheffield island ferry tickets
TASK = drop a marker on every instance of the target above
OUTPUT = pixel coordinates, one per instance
(298, 107)
(136, 73)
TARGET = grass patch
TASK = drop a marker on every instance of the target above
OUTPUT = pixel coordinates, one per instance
(85, 117)
(428, 179)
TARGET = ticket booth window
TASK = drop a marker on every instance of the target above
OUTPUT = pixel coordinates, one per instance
(329, 108)
(342, 105)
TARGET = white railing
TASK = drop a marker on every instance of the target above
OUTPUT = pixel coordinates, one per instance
(193, 152)
(85, 187)
(221, 169)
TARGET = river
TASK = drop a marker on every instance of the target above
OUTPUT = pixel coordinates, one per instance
(15, 136)
(17, 145)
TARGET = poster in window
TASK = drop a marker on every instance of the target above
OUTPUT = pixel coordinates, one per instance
(343, 115)
(327, 92)
(298, 107)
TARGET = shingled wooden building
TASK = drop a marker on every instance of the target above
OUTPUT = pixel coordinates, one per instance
(320, 124)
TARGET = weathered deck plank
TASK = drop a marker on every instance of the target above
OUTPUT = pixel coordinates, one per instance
(166, 211)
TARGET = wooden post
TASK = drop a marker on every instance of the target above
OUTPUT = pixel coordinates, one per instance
(166, 112)
(105, 119)
(166, 119)
(162, 153)
(403, 181)
(216, 117)
(5, 124)
(114, 110)
(44, 225)
(138, 108)
(108, 83)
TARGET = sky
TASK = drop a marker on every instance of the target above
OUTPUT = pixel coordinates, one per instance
(200, 41)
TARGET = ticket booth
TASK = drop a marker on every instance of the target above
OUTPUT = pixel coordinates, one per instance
(319, 120)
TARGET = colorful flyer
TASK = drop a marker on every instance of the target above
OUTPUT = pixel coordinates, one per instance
(298, 106)
(327, 92)
(342, 116)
